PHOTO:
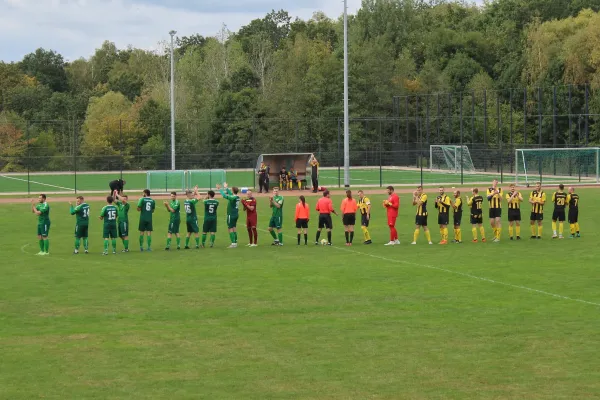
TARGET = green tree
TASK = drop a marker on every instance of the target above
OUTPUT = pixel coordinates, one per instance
(48, 67)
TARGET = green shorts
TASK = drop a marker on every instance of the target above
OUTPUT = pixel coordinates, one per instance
(109, 231)
(123, 229)
(81, 231)
(231, 222)
(192, 227)
(174, 227)
(275, 222)
(209, 225)
(145, 226)
(43, 229)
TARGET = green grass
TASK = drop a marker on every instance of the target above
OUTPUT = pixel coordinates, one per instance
(82, 181)
(469, 321)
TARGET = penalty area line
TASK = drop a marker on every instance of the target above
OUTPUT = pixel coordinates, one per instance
(37, 183)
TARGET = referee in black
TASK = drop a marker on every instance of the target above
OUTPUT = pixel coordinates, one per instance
(314, 174)
(118, 185)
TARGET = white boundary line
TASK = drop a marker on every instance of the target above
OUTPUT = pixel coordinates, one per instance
(37, 183)
(463, 274)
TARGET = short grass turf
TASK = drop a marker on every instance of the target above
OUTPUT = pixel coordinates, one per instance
(514, 320)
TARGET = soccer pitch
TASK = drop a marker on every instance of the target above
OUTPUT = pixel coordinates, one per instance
(69, 182)
(513, 320)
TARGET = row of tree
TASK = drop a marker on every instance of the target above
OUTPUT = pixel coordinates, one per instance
(239, 90)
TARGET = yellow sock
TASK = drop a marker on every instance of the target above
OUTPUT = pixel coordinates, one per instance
(428, 235)
(553, 226)
(416, 235)
(572, 228)
(532, 230)
(366, 233)
(510, 230)
(561, 228)
(455, 234)
(495, 231)
(577, 227)
(518, 229)
(280, 185)
(540, 227)
(498, 233)
(446, 234)
(442, 234)
(458, 235)
(474, 232)
(482, 231)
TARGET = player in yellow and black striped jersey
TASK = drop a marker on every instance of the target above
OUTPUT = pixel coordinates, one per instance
(494, 196)
(364, 206)
(457, 206)
(537, 199)
(559, 199)
(573, 201)
(420, 200)
(514, 199)
(443, 204)
(476, 204)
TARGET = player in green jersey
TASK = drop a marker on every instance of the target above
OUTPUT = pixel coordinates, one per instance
(276, 203)
(82, 217)
(42, 210)
(108, 214)
(233, 204)
(123, 219)
(191, 217)
(173, 208)
(210, 218)
(146, 207)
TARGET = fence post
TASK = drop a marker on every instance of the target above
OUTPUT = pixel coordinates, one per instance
(540, 118)
(406, 119)
(28, 139)
(380, 166)
(473, 116)
(499, 125)
(437, 117)
(587, 115)
(75, 154)
(417, 123)
(525, 116)
(510, 101)
(338, 155)
(450, 135)
(122, 145)
(570, 122)
(462, 180)
(427, 115)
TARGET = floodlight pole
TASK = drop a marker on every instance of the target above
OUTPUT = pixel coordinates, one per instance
(172, 33)
(346, 112)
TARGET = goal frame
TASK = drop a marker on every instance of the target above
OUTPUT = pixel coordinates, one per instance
(458, 165)
(523, 163)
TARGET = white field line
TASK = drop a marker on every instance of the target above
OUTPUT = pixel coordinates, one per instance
(463, 274)
(37, 183)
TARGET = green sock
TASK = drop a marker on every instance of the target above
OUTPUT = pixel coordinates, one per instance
(105, 245)
(280, 238)
(203, 238)
(235, 236)
(273, 234)
(198, 240)
(232, 237)
(41, 245)
(141, 240)
(187, 241)
(47, 245)
(85, 243)
(168, 243)
(212, 239)
(77, 243)
(114, 244)
(149, 240)
(126, 244)
(178, 242)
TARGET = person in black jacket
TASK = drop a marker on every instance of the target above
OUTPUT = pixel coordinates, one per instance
(118, 185)
(314, 167)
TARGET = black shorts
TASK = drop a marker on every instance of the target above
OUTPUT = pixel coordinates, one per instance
(495, 213)
(573, 216)
(302, 223)
(476, 219)
(457, 218)
(349, 219)
(325, 221)
(514, 214)
(558, 215)
(443, 218)
(364, 220)
(421, 220)
(536, 217)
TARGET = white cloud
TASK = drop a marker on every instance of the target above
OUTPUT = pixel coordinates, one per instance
(75, 28)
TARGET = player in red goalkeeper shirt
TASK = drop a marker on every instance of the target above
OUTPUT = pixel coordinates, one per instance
(249, 204)
(392, 204)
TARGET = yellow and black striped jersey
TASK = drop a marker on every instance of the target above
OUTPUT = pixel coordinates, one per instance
(515, 203)
(540, 199)
(422, 208)
(494, 198)
(363, 205)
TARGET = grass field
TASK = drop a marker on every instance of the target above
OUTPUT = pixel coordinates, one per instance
(514, 320)
(82, 181)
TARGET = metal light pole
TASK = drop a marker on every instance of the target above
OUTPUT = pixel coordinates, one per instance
(346, 112)
(172, 33)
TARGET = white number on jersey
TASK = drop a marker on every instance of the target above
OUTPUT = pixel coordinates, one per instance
(211, 209)
(112, 215)
(188, 209)
(86, 213)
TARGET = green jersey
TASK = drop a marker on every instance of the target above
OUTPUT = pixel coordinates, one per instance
(146, 206)
(190, 210)
(44, 217)
(210, 209)
(277, 212)
(109, 215)
(123, 211)
(176, 206)
(233, 202)
(82, 213)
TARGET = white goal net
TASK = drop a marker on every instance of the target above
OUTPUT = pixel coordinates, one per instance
(569, 165)
(451, 159)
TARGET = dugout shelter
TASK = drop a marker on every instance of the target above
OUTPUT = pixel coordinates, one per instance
(300, 162)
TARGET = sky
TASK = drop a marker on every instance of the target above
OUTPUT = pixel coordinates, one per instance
(75, 28)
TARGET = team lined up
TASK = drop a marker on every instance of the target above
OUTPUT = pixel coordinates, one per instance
(115, 217)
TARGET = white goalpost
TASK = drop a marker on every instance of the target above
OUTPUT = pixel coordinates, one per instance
(559, 165)
(450, 158)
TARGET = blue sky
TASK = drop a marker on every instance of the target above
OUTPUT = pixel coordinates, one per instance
(75, 28)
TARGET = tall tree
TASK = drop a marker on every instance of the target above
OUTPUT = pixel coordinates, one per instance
(48, 67)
